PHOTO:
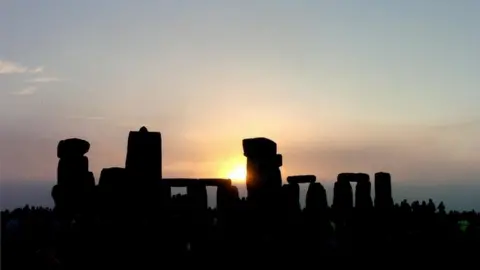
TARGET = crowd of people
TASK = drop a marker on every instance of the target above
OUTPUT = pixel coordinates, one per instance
(39, 238)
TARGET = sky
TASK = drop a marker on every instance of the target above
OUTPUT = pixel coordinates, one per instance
(341, 86)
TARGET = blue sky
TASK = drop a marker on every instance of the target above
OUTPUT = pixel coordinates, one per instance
(340, 85)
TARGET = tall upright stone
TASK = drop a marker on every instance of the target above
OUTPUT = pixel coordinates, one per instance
(342, 193)
(316, 199)
(263, 170)
(363, 197)
(75, 183)
(383, 191)
(112, 178)
(113, 189)
(144, 156)
(144, 169)
(317, 227)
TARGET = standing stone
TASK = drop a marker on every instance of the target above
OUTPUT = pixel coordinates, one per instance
(383, 191)
(71, 170)
(316, 199)
(342, 193)
(144, 156)
(291, 214)
(264, 189)
(363, 197)
(143, 166)
(263, 170)
(318, 227)
(73, 193)
(112, 178)
(112, 189)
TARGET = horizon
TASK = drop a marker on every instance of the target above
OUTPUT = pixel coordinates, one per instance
(37, 193)
(341, 87)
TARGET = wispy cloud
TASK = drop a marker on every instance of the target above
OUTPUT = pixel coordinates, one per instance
(45, 80)
(8, 67)
(36, 70)
(30, 90)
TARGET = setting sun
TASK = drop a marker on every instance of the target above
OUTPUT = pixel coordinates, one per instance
(238, 173)
(234, 168)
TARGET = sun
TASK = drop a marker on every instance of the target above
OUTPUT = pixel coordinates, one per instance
(234, 168)
(238, 173)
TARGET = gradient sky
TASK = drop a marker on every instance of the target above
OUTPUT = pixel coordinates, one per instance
(339, 85)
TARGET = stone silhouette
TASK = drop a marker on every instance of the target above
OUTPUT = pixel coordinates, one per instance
(383, 191)
(263, 170)
(343, 194)
(75, 183)
(140, 183)
(363, 197)
(112, 190)
(196, 190)
(180, 223)
(316, 199)
(144, 155)
(143, 165)
(291, 190)
(301, 179)
(73, 147)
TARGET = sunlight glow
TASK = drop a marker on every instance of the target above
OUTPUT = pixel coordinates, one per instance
(238, 173)
(234, 168)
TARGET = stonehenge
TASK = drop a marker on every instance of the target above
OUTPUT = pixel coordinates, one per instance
(140, 184)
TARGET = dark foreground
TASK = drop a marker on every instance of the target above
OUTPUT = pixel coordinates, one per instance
(37, 238)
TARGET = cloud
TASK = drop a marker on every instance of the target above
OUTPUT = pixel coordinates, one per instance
(45, 80)
(30, 90)
(36, 70)
(8, 67)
